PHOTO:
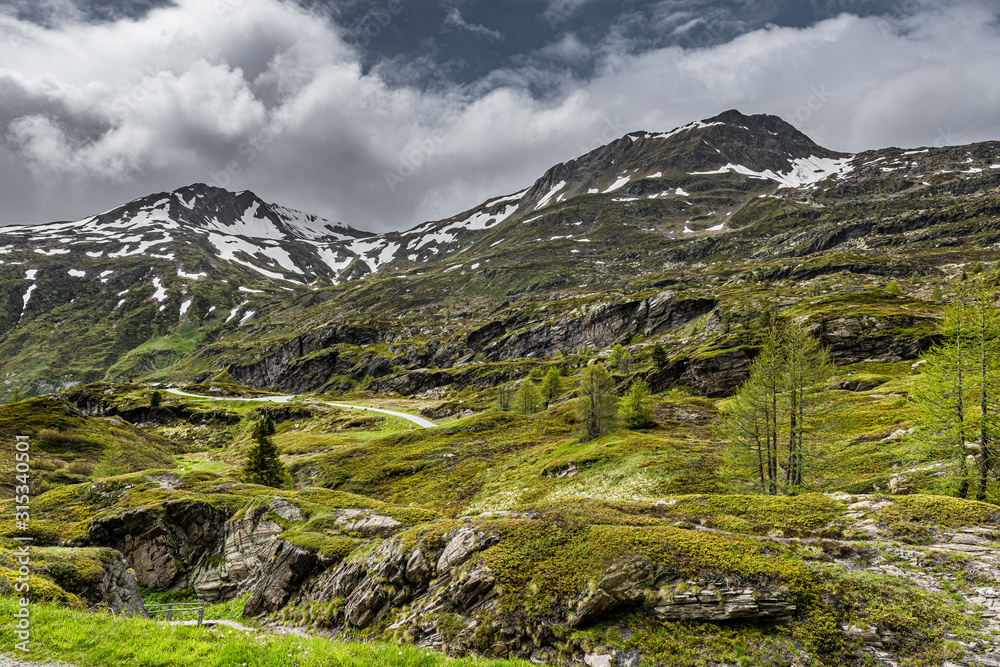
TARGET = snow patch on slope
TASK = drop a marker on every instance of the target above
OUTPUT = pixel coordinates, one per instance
(514, 197)
(545, 200)
(804, 171)
(698, 125)
(161, 291)
(620, 183)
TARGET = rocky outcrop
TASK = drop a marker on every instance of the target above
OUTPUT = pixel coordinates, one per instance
(287, 567)
(599, 328)
(162, 544)
(241, 556)
(99, 577)
(416, 588)
(479, 376)
(855, 385)
(118, 589)
(713, 376)
(630, 583)
(278, 371)
(850, 339)
(856, 338)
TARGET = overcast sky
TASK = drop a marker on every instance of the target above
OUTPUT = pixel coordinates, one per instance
(386, 113)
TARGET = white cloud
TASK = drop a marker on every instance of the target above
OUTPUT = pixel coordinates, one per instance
(267, 96)
(455, 20)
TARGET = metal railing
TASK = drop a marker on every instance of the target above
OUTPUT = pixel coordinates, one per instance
(177, 607)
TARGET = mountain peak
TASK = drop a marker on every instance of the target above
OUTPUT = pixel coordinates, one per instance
(731, 141)
(767, 125)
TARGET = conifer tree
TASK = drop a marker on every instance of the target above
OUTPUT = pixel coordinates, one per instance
(659, 356)
(527, 399)
(986, 342)
(552, 386)
(944, 390)
(505, 394)
(957, 395)
(635, 410)
(596, 403)
(775, 413)
(263, 465)
(617, 354)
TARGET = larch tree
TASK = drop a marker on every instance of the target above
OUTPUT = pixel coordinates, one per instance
(505, 396)
(986, 342)
(552, 386)
(596, 403)
(635, 410)
(778, 410)
(957, 393)
(527, 399)
(807, 367)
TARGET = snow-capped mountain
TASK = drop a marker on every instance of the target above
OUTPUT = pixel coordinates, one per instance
(275, 241)
(143, 286)
(690, 182)
(682, 171)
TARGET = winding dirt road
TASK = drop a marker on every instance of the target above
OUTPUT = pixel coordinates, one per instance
(419, 421)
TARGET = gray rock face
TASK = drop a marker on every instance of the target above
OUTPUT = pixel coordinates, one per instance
(417, 569)
(368, 523)
(286, 510)
(280, 370)
(364, 604)
(461, 547)
(600, 327)
(118, 589)
(236, 565)
(161, 545)
(724, 604)
(859, 338)
(633, 582)
(113, 587)
(191, 544)
(390, 577)
(288, 567)
(716, 376)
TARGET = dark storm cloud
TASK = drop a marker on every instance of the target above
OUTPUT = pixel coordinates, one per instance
(385, 114)
(52, 12)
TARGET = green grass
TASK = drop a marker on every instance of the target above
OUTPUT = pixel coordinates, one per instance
(99, 640)
(67, 447)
